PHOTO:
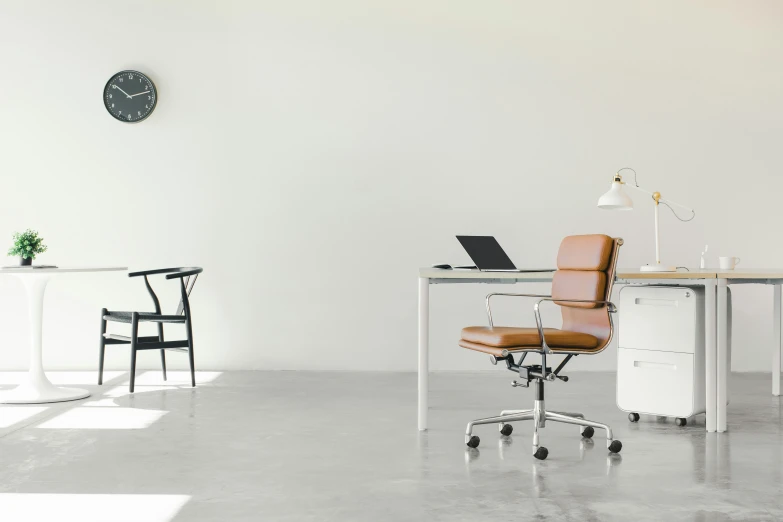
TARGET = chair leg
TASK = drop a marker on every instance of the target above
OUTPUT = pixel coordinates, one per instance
(134, 341)
(103, 347)
(509, 412)
(539, 421)
(162, 352)
(569, 414)
(556, 417)
(163, 362)
(525, 415)
(539, 415)
(190, 354)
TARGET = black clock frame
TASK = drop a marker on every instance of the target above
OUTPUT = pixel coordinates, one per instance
(106, 101)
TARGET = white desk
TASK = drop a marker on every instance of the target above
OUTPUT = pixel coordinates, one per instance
(715, 284)
(37, 388)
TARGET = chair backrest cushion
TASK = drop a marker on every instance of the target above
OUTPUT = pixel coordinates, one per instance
(582, 265)
(586, 270)
(588, 252)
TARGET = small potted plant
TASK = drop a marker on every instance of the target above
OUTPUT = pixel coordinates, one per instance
(27, 245)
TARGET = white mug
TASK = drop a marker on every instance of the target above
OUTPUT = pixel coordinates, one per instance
(728, 263)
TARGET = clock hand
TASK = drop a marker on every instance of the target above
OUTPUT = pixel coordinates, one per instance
(138, 93)
(123, 92)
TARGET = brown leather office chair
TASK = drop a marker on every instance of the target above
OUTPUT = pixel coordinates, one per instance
(581, 287)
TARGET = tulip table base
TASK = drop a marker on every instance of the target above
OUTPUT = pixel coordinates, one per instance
(38, 393)
(36, 388)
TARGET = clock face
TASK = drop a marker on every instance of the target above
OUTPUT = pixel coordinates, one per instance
(130, 96)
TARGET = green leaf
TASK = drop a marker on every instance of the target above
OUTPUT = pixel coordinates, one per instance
(27, 244)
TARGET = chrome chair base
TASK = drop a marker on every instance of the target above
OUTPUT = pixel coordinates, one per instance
(540, 416)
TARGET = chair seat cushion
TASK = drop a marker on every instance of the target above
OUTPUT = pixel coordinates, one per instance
(125, 317)
(511, 337)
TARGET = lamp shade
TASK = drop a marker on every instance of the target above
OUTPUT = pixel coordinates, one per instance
(615, 199)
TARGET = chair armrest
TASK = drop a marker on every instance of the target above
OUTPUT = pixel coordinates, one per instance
(489, 296)
(611, 308)
(172, 273)
(185, 273)
(153, 272)
(537, 312)
(609, 304)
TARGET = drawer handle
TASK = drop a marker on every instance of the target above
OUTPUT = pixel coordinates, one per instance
(656, 302)
(654, 365)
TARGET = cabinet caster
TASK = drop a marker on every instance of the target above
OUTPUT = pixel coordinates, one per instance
(615, 446)
(588, 432)
(474, 442)
(506, 429)
(541, 453)
(680, 421)
(633, 417)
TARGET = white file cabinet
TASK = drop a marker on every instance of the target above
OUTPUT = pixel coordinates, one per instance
(660, 361)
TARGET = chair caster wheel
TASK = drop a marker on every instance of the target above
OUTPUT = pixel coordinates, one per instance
(615, 446)
(541, 453)
(473, 442)
(633, 417)
(680, 421)
(506, 429)
(588, 432)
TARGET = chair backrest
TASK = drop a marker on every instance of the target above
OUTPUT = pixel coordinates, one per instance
(586, 267)
(188, 282)
(187, 277)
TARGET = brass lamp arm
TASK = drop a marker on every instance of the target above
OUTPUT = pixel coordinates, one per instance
(658, 199)
(656, 196)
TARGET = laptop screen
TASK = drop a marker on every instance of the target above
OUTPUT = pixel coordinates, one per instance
(486, 252)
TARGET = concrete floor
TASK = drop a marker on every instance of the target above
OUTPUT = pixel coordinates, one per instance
(288, 446)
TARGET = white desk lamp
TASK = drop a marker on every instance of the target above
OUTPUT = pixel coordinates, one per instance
(617, 199)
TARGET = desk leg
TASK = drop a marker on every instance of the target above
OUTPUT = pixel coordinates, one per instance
(710, 355)
(37, 388)
(723, 354)
(424, 350)
(777, 343)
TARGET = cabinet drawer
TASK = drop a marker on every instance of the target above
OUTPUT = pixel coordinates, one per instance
(661, 318)
(656, 383)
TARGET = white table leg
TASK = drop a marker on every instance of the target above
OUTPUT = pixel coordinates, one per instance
(723, 354)
(424, 350)
(711, 350)
(37, 388)
(777, 342)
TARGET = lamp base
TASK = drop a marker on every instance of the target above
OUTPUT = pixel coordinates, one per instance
(657, 268)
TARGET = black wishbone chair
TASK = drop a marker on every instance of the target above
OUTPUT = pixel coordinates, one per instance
(187, 278)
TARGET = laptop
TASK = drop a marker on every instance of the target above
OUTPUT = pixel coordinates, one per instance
(489, 256)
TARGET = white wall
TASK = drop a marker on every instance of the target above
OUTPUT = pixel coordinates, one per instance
(311, 155)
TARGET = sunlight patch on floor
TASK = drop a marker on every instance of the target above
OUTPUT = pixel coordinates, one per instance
(175, 378)
(123, 391)
(10, 415)
(101, 403)
(90, 508)
(103, 419)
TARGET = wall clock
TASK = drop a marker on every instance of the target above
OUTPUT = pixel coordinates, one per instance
(130, 96)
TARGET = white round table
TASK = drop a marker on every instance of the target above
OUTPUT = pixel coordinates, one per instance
(37, 388)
